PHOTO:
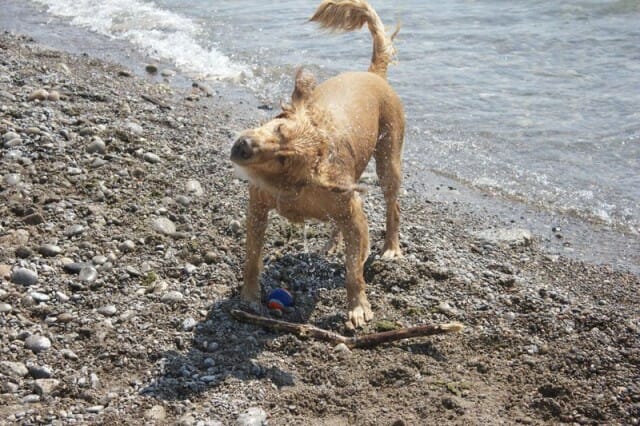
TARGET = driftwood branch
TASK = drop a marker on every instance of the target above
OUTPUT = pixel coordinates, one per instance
(365, 341)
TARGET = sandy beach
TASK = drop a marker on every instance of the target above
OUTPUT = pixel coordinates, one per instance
(121, 251)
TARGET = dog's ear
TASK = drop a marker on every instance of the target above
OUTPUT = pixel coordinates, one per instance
(305, 84)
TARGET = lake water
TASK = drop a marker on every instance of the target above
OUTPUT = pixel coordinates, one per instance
(531, 103)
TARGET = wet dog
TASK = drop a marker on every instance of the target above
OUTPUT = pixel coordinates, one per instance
(305, 163)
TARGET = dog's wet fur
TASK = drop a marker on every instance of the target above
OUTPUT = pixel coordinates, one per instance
(305, 163)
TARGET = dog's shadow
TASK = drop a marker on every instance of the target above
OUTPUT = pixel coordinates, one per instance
(223, 349)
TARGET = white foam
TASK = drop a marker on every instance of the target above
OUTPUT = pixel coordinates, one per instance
(160, 33)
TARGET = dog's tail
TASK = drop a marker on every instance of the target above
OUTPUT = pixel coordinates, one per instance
(350, 15)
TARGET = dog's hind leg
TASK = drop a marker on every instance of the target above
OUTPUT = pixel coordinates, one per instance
(388, 157)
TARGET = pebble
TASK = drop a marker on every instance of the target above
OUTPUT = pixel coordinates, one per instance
(13, 369)
(127, 246)
(254, 416)
(23, 276)
(447, 309)
(24, 252)
(39, 297)
(49, 250)
(69, 354)
(172, 297)
(88, 274)
(183, 200)
(97, 146)
(94, 409)
(54, 96)
(61, 297)
(11, 179)
(33, 219)
(164, 226)
(5, 308)
(189, 324)
(194, 188)
(30, 399)
(150, 157)
(65, 317)
(157, 413)
(38, 95)
(10, 136)
(108, 311)
(341, 348)
(151, 68)
(45, 387)
(40, 372)
(75, 267)
(37, 343)
(99, 260)
(74, 230)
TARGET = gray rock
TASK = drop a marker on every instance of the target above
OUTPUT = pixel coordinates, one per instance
(164, 226)
(254, 416)
(38, 95)
(99, 260)
(189, 324)
(6, 95)
(97, 146)
(108, 311)
(39, 297)
(74, 230)
(94, 409)
(30, 399)
(37, 343)
(69, 354)
(33, 219)
(5, 308)
(506, 236)
(24, 252)
(150, 157)
(10, 136)
(13, 369)
(88, 274)
(75, 267)
(156, 414)
(151, 68)
(44, 387)
(12, 179)
(49, 250)
(127, 246)
(40, 372)
(23, 276)
(183, 200)
(172, 297)
(74, 171)
(133, 128)
(194, 188)
(54, 96)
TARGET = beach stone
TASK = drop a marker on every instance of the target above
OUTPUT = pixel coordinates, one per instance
(133, 128)
(24, 252)
(189, 324)
(108, 311)
(31, 399)
(74, 230)
(151, 68)
(69, 354)
(150, 157)
(172, 297)
(164, 226)
(15, 370)
(33, 219)
(254, 416)
(99, 260)
(37, 343)
(88, 274)
(45, 387)
(97, 146)
(7, 96)
(11, 179)
(8, 136)
(183, 200)
(38, 95)
(65, 317)
(506, 236)
(49, 250)
(39, 297)
(194, 188)
(62, 297)
(94, 409)
(5, 308)
(74, 267)
(127, 246)
(39, 372)
(54, 96)
(157, 414)
(5, 271)
(23, 276)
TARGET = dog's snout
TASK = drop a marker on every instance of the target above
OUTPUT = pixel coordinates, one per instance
(241, 149)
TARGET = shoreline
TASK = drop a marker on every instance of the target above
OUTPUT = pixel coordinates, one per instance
(119, 196)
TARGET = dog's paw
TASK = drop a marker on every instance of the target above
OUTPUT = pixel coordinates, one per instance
(392, 254)
(360, 315)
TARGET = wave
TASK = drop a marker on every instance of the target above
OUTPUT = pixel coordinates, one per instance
(159, 33)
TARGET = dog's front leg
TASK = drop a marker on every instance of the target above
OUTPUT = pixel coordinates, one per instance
(356, 236)
(257, 215)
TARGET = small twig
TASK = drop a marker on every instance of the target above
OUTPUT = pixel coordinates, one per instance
(155, 101)
(366, 341)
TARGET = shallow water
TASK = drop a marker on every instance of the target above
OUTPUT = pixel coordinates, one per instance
(535, 102)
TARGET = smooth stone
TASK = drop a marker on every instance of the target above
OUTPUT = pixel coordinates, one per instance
(37, 343)
(94, 409)
(40, 372)
(97, 146)
(13, 143)
(506, 236)
(172, 297)
(13, 369)
(5, 308)
(33, 219)
(69, 354)
(183, 200)
(164, 226)
(62, 297)
(99, 260)
(5, 271)
(127, 246)
(10, 136)
(134, 128)
(88, 274)
(150, 157)
(23, 276)
(151, 68)
(12, 179)
(39, 297)
(108, 311)
(254, 416)
(157, 413)
(74, 230)
(6, 95)
(24, 252)
(195, 188)
(54, 96)
(45, 387)
(74, 171)
(341, 348)
(49, 250)
(189, 324)
(75, 267)
(65, 317)
(31, 399)
(38, 95)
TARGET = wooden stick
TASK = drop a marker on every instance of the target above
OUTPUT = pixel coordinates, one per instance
(366, 341)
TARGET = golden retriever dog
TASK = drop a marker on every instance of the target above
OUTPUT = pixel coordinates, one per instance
(305, 163)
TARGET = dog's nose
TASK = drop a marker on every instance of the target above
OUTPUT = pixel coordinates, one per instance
(241, 149)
